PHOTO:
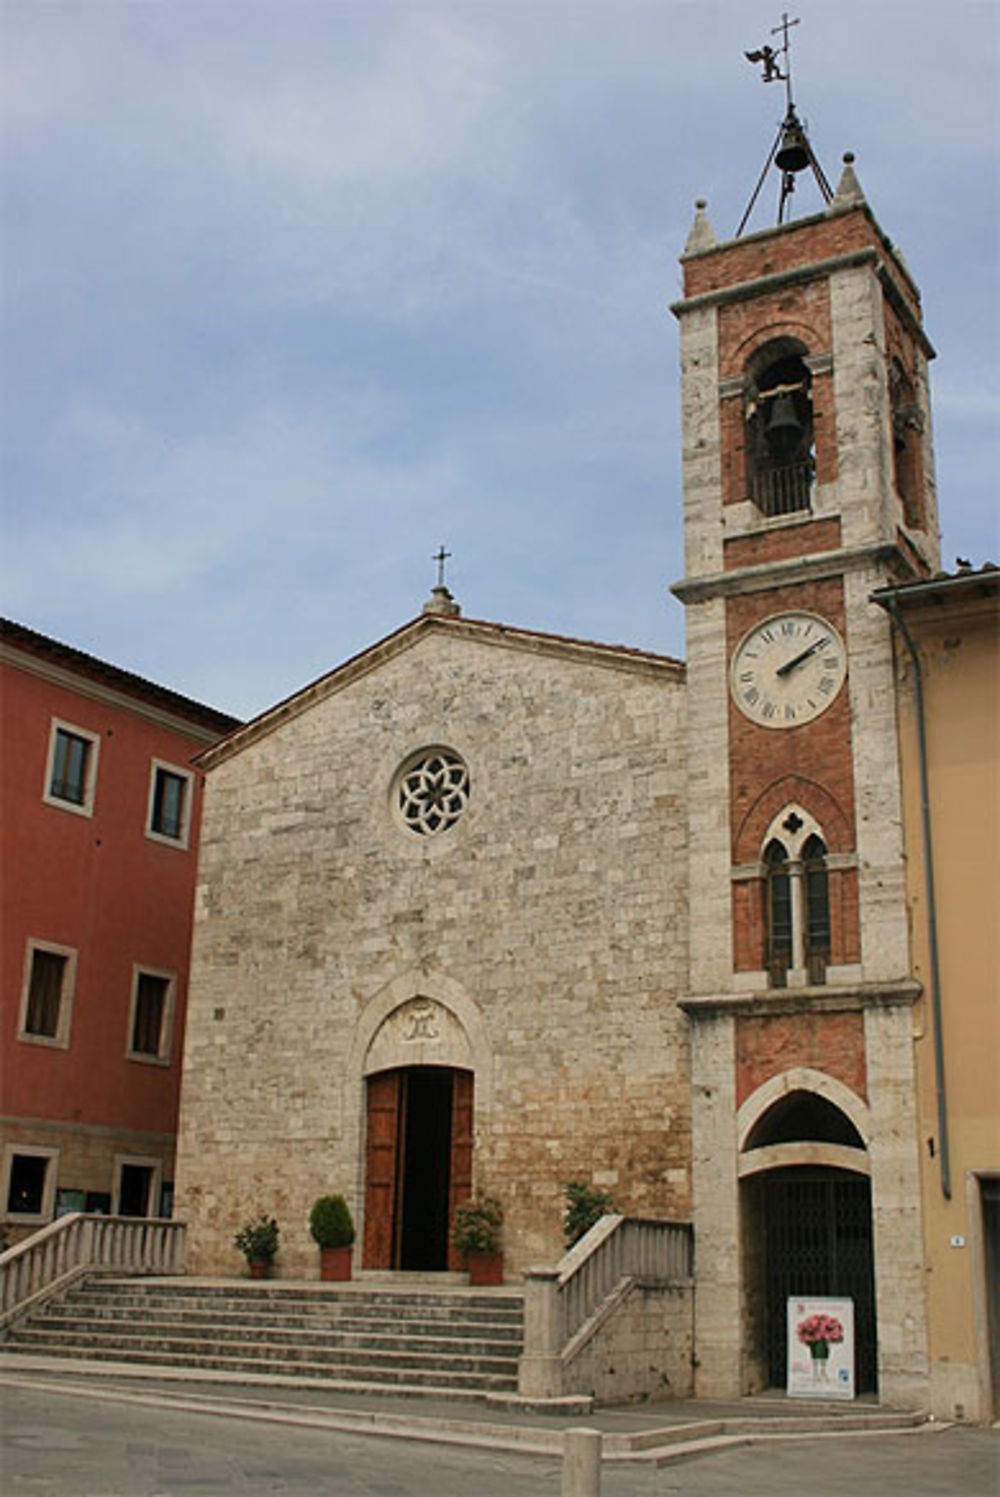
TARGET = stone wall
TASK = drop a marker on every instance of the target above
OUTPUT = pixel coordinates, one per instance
(643, 1350)
(545, 930)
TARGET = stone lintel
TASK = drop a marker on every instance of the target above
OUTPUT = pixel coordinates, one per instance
(792, 570)
(853, 998)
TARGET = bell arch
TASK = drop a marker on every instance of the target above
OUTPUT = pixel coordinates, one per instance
(779, 428)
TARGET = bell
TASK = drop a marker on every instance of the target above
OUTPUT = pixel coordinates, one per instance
(793, 153)
(784, 426)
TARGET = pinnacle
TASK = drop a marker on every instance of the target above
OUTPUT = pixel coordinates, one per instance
(702, 235)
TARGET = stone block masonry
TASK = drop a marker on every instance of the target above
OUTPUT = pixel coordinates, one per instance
(545, 932)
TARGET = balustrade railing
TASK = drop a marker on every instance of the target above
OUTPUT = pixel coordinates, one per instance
(783, 491)
(560, 1301)
(80, 1243)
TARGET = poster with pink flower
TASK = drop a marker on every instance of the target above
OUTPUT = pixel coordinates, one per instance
(820, 1348)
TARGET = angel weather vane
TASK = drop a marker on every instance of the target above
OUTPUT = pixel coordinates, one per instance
(791, 151)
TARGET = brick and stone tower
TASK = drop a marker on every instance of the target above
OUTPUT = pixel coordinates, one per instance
(808, 482)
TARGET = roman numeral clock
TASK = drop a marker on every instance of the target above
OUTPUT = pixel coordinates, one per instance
(787, 669)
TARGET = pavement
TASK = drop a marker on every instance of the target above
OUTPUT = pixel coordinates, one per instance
(98, 1430)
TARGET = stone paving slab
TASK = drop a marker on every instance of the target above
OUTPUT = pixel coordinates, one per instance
(650, 1432)
(75, 1445)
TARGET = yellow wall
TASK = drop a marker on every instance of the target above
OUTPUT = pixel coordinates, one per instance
(956, 631)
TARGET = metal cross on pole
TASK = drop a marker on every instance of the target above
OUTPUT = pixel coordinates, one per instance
(441, 557)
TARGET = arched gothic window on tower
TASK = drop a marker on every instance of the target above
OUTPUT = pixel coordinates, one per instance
(817, 909)
(778, 908)
(796, 900)
(907, 435)
(779, 431)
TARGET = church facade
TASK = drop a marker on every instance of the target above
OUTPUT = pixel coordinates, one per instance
(488, 910)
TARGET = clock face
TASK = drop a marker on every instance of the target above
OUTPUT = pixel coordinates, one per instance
(788, 670)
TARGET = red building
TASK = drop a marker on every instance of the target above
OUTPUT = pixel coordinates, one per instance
(101, 810)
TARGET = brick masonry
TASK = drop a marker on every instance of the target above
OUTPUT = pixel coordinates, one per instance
(834, 285)
(770, 1045)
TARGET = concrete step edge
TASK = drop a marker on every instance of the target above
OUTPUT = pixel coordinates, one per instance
(59, 1328)
(384, 1362)
(322, 1374)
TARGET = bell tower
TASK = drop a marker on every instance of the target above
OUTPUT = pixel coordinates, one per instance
(808, 482)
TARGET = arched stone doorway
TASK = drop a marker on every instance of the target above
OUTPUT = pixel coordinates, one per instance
(420, 1097)
(418, 1165)
(805, 1197)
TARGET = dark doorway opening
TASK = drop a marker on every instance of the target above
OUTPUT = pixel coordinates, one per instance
(134, 1183)
(419, 1165)
(423, 1207)
(990, 1194)
(808, 1232)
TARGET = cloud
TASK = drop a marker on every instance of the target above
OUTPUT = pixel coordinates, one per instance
(296, 291)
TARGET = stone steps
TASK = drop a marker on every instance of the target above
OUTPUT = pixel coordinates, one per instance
(342, 1330)
(461, 1341)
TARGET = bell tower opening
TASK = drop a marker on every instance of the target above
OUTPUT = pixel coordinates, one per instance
(779, 432)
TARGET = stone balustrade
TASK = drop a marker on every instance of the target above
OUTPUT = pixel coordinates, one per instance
(566, 1304)
(51, 1259)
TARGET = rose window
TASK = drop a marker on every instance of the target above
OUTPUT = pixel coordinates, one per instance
(432, 792)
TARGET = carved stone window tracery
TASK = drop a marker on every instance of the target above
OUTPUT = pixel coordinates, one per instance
(431, 791)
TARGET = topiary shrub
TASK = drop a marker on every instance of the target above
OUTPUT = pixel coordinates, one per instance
(330, 1222)
(585, 1205)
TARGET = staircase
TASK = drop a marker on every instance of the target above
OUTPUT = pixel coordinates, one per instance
(456, 1342)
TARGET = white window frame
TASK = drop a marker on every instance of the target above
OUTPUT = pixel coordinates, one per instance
(29, 1218)
(86, 807)
(139, 1161)
(162, 1058)
(161, 766)
(60, 1040)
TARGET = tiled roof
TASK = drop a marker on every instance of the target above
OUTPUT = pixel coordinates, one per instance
(78, 662)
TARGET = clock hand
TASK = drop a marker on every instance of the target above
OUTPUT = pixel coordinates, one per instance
(789, 665)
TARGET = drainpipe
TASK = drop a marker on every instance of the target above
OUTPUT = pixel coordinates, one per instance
(891, 604)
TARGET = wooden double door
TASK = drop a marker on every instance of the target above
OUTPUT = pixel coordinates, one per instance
(418, 1163)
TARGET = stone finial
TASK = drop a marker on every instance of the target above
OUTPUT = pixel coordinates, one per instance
(702, 235)
(849, 189)
(441, 601)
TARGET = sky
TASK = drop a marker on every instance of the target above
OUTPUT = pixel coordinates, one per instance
(296, 291)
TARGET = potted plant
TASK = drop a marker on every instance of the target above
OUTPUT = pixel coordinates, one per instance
(332, 1228)
(258, 1242)
(476, 1233)
(585, 1205)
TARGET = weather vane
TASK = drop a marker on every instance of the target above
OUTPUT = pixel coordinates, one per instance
(791, 152)
(769, 57)
(441, 557)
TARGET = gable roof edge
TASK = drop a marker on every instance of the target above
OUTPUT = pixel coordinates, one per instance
(404, 638)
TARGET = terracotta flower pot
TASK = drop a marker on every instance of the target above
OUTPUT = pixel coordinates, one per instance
(484, 1268)
(259, 1268)
(335, 1264)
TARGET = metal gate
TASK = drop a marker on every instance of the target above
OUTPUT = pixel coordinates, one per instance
(817, 1240)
